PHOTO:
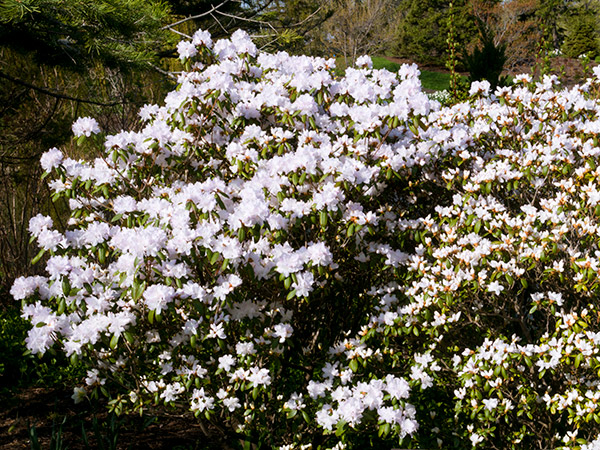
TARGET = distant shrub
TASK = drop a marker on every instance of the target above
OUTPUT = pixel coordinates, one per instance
(486, 61)
(581, 36)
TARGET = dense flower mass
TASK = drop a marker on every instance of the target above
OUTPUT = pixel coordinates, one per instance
(308, 259)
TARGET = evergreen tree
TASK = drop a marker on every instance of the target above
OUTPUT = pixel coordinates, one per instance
(423, 28)
(580, 28)
(549, 13)
(80, 34)
(486, 61)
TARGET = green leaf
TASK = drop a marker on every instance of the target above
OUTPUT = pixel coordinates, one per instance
(62, 304)
(38, 256)
(114, 341)
(350, 231)
(214, 258)
(323, 218)
(224, 265)
(101, 255)
(340, 428)
(384, 430)
(305, 416)
(128, 337)
(66, 286)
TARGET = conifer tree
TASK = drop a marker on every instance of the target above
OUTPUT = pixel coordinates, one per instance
(423, 28)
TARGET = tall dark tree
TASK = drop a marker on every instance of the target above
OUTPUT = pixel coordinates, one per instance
(423, 29)
(549, 13)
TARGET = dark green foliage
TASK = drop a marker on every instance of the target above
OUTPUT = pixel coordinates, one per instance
(79, 34)
(13, 365)
(486, 61)
(56, 440)
(423, 30)
(549, 14)
(19, 368)
(581, 36)
(106, 439)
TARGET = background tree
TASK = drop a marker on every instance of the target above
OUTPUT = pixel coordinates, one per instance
(486, 61)
(358, 27)
(512, 24)
(423, 29)
(548, 14)
(580, 26)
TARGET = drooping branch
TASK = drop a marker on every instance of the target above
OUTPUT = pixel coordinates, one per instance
(53, 93)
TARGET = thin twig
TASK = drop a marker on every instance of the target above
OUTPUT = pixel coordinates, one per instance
(163, 72)
(307, 18)
(219, 23)
(197, 16)
(247, 19)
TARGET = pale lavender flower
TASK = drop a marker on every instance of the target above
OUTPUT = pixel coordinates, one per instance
(186, 50)
(85, 126)
(51, 159)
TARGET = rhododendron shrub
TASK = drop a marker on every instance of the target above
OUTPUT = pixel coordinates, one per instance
(301, 259)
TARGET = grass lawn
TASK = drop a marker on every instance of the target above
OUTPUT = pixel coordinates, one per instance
(379, 62)
(435, 81)
(430, 80)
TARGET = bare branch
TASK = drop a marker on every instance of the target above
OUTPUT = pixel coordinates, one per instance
(219, 22)
(247, 19)
(163, 72)
(54, 94)
(197, 16)
(307, 18)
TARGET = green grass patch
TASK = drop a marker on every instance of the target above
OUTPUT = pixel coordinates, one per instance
(379, 62)
(430, 80)
(435, 81)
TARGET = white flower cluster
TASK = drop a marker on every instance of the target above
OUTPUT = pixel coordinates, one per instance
(343, 251)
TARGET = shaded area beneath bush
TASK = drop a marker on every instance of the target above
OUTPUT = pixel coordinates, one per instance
(47, 408)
